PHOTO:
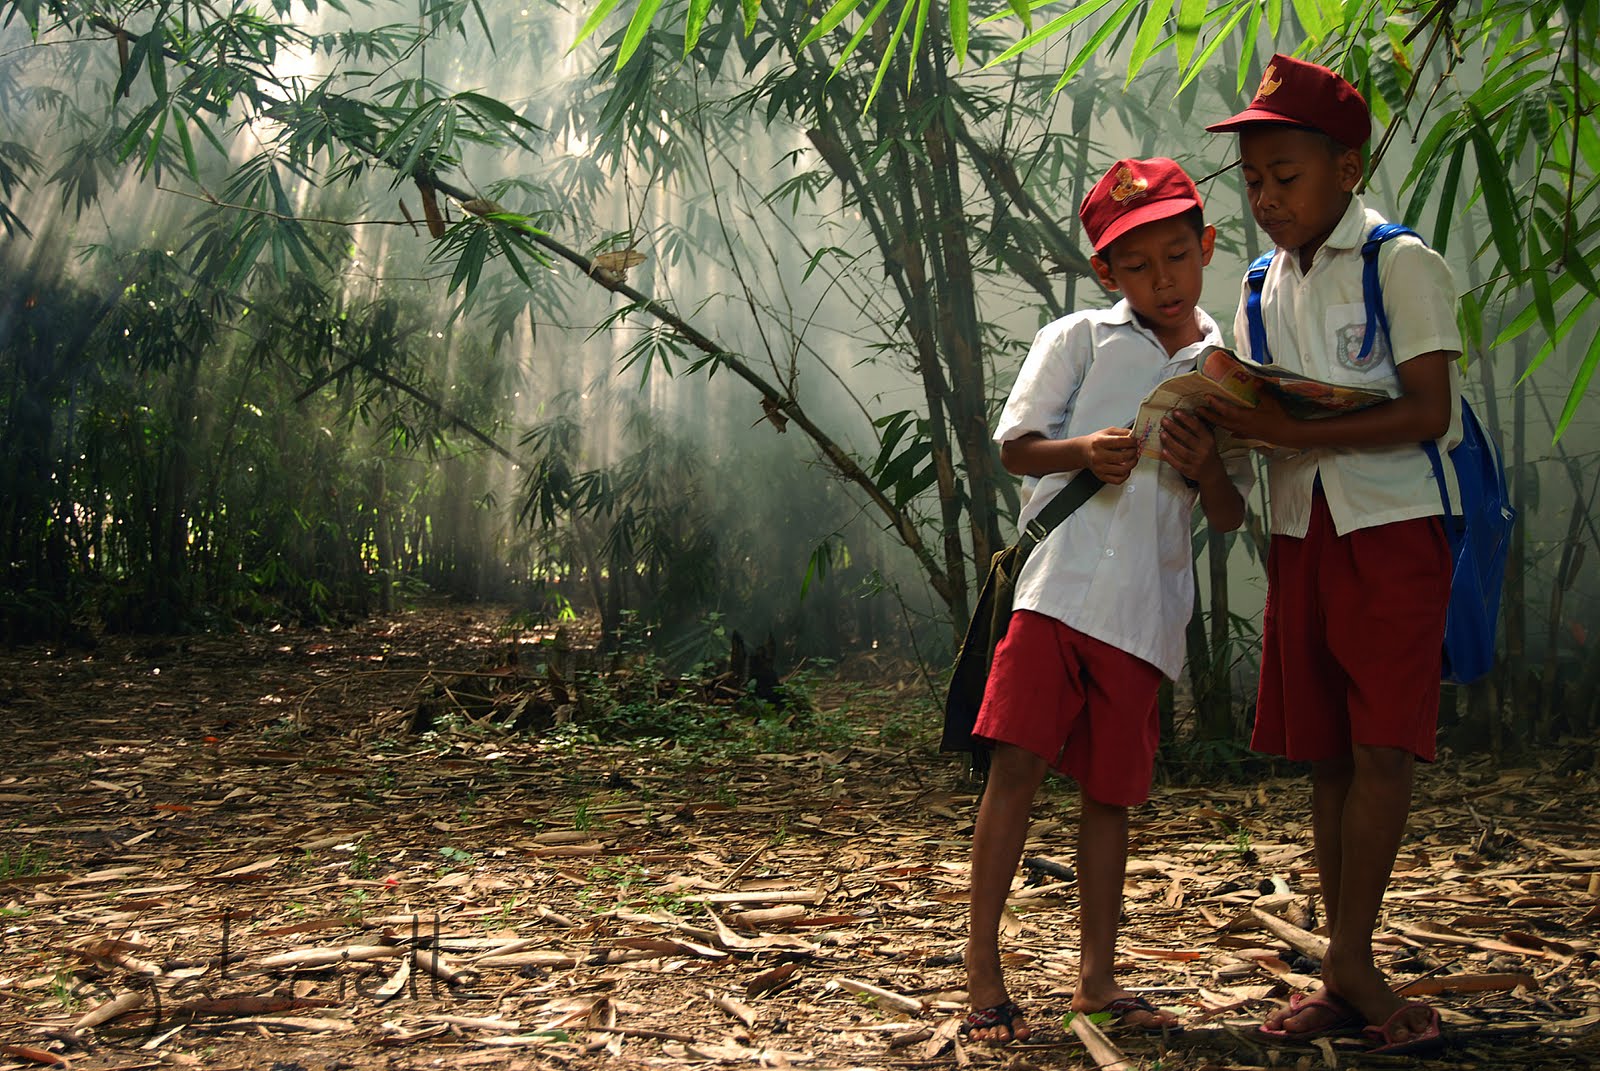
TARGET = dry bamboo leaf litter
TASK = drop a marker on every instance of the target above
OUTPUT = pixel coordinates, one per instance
(717, 910)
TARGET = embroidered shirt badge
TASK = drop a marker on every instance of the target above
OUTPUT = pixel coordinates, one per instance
(1128, 187)
(1347, 343)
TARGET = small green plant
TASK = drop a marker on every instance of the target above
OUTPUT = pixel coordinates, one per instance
(64, 988)
(23, 862)
(456, 857)
(361, 861)
(356, 901)
(581, 818)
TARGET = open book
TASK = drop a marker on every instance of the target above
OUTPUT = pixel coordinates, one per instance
(1218, 373)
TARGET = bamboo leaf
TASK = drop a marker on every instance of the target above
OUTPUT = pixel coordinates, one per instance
(1580, 385)
(638, 26)
(1559, 335)
(835, 15)
(959, 29)
(1149, 35)
(752, 9)
(1056, 25)
(1191, 16)
(888, 52)
(1024, 11)
(1540, 279)
(1447, 198)
(185, 144)
(1498, 197)
(1312, 21)
(693, 22)
(130, 71)
(592, 23)
(1215, 43)
(155, 60)
(916, 40)
(861, 32)
(1114, 24)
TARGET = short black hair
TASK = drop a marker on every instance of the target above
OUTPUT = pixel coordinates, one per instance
(1194, 217)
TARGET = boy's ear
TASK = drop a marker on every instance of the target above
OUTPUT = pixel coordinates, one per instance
(1351, 169)
(1208, 244)
(1103, 270)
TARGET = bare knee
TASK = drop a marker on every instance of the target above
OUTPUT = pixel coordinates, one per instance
(1093, 809)
(1383, 763)
(1014, 770)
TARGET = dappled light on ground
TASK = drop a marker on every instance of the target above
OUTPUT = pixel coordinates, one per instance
(231, 851)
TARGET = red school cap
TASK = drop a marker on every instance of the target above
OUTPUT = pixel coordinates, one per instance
(1303, 94)
(1133, 193)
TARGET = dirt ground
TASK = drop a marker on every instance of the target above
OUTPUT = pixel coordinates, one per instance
(231, 852)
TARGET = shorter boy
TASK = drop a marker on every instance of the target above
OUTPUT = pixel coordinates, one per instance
(1101, 605)
(1358, 574)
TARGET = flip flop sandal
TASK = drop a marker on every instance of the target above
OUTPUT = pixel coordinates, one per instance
(1382, 1037)
(1004, 1014)
(1123, 1007)
(1346, 1019)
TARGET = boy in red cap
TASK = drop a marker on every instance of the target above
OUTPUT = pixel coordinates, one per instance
(1358, 575)
(1102, 602)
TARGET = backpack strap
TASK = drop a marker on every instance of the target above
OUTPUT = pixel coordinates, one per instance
(1377, 318)
(1256, 276)
(1371, 290)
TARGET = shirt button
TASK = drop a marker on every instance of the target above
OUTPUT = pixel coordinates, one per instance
(1127, 489)
(1111, 552)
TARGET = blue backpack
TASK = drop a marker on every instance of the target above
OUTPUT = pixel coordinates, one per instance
(1480, 534)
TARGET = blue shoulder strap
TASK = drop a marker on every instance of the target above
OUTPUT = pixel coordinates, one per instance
(1256, 276)
(1371, 291)
(1372, 294)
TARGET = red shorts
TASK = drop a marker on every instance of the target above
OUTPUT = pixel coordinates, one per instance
(1352, 637)
(1085, 707)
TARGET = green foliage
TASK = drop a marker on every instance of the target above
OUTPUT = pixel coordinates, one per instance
(1503, 93)
(23, 862)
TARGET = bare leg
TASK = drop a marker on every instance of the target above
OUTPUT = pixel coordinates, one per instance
(1102, 868)
(997, 840)
(1355, 855)
(1374, 821)
(1330, 788)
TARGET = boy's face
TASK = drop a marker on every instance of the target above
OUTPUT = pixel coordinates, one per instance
(1158, 268)
(1299, 183)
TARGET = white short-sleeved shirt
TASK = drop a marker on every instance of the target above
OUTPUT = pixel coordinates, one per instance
(1315, 322)
(1120, 568)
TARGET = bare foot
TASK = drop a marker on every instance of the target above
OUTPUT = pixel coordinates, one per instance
(998, 1023)
(993, 1017)
(1364, 988)
(1128, 1008)
(1306, 1017)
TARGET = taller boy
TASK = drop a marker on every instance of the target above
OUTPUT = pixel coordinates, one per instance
(1359, 572)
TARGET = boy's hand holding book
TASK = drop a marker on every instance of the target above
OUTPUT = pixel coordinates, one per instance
(1112, 453)
(1265, 422)
(1247, 405)
(1190, 446)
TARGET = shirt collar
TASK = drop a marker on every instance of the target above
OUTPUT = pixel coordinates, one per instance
(1351, 230)
(1121, 315)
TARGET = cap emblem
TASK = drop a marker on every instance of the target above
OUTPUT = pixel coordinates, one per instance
(1269, 83)
(1128, 187)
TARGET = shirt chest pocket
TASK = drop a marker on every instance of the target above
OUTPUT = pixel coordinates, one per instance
(1350, 358)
